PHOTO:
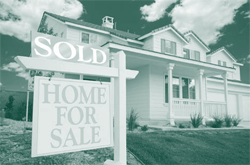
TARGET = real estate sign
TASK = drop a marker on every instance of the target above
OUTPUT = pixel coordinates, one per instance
(56, 48)
(70, 115)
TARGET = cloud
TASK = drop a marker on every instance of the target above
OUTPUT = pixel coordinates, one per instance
(205, 17)
(19, 17)
(245, 60)
(156, 10)
(1, 84)
(15, 67)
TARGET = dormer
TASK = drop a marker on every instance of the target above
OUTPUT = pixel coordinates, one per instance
(108, 22)
(196, 49)
(167, 40)
(224, 58)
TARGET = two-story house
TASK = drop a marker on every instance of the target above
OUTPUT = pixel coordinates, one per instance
(177, 74)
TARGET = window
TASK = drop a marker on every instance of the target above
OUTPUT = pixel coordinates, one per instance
(196, 55)
(224, 63)
(168, 47)
(219, 62)
(176, 88)
(72, 76)
(188, 88)
(85, 38)
(186, 53)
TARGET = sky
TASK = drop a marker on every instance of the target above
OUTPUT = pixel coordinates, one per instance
(217, 22)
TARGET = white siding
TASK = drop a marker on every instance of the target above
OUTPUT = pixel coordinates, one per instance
(221, 55)
(74, 34)
(232, 104)
(196, 45)
(236, 74)
(157, 93)
(171, 36)
(148, 43)
(138, 93)
(246, 107)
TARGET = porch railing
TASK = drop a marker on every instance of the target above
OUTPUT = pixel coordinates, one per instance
(214, 108)
(183, 107)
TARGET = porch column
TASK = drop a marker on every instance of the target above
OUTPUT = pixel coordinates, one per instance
(225, 90)
(201, 71)
(170, 67)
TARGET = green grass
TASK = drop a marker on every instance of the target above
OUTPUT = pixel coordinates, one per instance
(191, 147)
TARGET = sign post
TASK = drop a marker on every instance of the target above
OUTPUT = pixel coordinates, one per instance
(67, 114)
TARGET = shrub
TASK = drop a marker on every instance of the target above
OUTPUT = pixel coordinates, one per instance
(181, 125)
(236, 121)
(2, 116)
(144, 128)
(218, 121)
(228, 120)
(196, 120)
(132, 120)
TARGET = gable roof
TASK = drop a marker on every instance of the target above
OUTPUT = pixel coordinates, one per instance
(164, 28)
(83, 23)
(197, 38)
(225, 50)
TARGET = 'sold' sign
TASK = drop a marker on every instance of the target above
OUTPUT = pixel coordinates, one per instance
(70, 115)
(51, 47)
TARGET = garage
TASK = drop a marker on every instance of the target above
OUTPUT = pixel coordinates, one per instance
(232, 104)
(246, 107)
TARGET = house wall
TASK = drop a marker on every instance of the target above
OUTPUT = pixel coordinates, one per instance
(238, 97)
(148, 43)
(171, 36)
(138, 93)
(158, 108)
(236, 74)
(74, 33)
(195, 45)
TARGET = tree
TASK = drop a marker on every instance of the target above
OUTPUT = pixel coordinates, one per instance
(9, 107)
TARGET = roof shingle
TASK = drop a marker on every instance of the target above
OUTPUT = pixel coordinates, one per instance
(83, 23)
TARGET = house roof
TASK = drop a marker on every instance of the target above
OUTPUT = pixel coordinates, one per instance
(198, 38)
(83, 23)
(158, 30)
(225, 50)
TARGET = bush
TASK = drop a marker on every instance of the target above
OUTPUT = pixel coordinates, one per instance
(2, 116)
(228, 120)
(181, 125)
(218, 121)
(132, 120)
(144, 128)
(196, 120)
(235, 121)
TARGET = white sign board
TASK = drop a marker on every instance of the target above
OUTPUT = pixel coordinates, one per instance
(70, 115)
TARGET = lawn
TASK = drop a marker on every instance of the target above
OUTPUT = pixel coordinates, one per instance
(191, 147)
(15, 149)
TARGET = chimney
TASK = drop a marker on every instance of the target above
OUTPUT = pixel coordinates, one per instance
(108, 22)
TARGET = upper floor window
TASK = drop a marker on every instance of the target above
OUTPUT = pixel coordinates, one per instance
(85, 38)
(168, 47)
(196, 55)
(191, 54)
(186, 53)
(222, 63)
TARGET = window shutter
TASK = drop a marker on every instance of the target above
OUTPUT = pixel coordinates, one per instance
(188, 53)
(163, 45)
(173, 48)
